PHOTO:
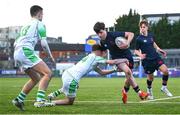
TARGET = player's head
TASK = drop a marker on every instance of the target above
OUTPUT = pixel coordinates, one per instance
(100, 30)
(98, 50)
(143, 26)
(36, 12)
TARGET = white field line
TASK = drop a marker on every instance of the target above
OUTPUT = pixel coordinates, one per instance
(131, 102)
(160, 99)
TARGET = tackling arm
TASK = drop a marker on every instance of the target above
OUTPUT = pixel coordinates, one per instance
(117, 61)
(104, 72)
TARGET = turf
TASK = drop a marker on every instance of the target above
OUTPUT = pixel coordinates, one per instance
(94, 96)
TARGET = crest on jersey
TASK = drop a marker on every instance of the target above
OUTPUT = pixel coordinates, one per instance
(145, 41)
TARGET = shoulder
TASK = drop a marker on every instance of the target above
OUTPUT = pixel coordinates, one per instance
(92, 55)
(150, 34)
(139, 37)
(41, 24)
(116, 34)
(41, 27)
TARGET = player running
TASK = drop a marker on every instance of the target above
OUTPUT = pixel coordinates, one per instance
(119, 52)
(72, 76)
(147, 49)
(26, 57)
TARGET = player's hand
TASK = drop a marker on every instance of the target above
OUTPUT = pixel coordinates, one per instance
(163, 52)
(115, 68)
(124, 46)
(123, 60)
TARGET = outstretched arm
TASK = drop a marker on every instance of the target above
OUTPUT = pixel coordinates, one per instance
(117, 61)
(104, 72)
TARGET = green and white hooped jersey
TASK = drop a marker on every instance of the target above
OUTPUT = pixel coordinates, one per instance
(30, 34)
(86, 65)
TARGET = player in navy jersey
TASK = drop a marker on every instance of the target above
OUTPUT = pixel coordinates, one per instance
(148, 50)
(118, 52)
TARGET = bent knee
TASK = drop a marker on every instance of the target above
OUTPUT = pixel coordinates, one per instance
(165, 72)
(48, 73)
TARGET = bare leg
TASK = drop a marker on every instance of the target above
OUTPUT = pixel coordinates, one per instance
(149, 81)
(130, 81)
(44, 70)
(126, 83)
(150, 77)
(163, 68)
(18, 101)
(35, 77)
(129, 77)
(66, 101)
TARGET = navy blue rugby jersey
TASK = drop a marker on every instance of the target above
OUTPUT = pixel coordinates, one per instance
(145, 44)
(115, 51)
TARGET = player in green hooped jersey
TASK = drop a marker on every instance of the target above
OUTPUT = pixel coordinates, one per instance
(25, 56)
(72, 76)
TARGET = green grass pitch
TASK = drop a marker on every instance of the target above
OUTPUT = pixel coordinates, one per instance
(94, 96)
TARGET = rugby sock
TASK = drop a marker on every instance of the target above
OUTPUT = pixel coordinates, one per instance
(56, 93)
(136, 89)
(40, 95)
(149, 83)
(165, 79)
(21, 96)
(126, 88)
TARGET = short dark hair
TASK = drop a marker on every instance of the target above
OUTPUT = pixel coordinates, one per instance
(35, 9)
(98, 47)
(99, 26)
(144, 21)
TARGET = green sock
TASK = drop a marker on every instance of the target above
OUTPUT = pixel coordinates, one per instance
(40, 95)
(56, 93)
(21, 96)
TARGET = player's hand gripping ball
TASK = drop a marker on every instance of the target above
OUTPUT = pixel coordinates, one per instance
(121, 42)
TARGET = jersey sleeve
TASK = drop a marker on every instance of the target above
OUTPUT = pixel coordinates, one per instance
(153, 37)
(137, 43)
(100, 60)
(42, 30)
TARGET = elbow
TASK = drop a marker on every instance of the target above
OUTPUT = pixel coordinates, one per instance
(129, 35)
(101, 73)
(132, 34)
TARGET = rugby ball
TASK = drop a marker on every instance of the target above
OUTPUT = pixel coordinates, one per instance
(121, 40)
